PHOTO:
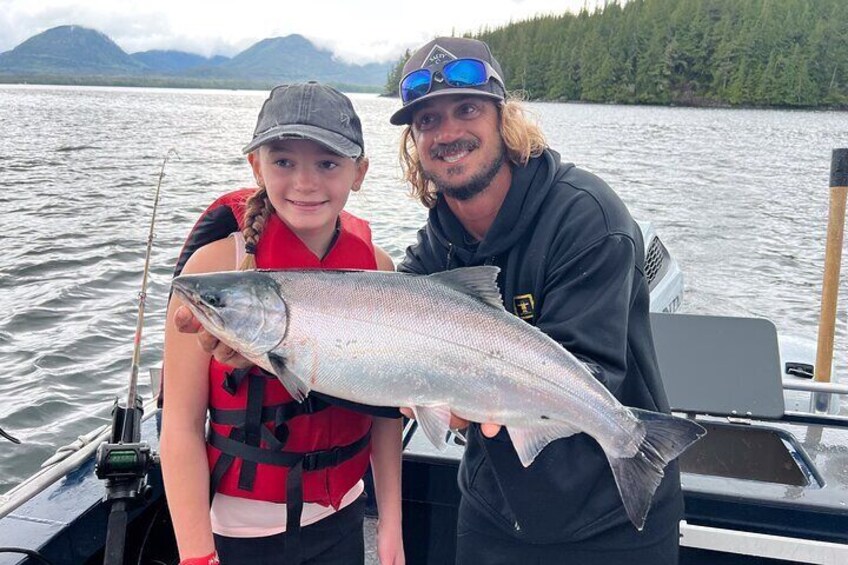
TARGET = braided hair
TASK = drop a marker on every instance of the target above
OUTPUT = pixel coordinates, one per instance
(256, 212)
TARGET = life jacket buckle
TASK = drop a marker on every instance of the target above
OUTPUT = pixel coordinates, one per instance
(316, 460)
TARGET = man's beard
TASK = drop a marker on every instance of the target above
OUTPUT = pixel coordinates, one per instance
(475, 184)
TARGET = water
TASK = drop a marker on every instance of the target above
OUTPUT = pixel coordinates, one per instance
(740, 198)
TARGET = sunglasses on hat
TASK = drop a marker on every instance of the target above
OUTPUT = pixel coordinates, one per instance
(457, 73)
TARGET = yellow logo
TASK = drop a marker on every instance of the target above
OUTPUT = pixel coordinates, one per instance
(524, 306)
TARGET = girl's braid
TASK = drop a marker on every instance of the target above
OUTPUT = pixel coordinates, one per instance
(257, 209)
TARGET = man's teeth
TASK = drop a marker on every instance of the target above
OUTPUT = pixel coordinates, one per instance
(455, 157)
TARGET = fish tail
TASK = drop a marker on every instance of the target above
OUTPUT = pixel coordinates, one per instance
(638, 477)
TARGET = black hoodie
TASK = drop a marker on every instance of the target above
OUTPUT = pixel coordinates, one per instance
(572, 263)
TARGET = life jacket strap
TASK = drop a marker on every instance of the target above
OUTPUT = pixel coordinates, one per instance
(223, 463)
(312, 461)
(277, 413)
(294, 509)
(252, 427)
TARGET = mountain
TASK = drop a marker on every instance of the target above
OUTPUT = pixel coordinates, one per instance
(69, 50)
(169, 61)
(78, 55)
(295, 58)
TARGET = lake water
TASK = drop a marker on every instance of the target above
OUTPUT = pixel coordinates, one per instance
(739, 197)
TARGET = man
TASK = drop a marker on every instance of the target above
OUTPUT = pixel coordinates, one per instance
(571, 260)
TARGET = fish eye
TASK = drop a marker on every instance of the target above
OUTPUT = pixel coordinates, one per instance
(212, 299)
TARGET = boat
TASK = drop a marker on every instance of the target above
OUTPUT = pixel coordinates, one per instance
(767, 484)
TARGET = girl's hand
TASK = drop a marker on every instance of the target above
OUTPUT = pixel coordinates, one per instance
(390, 543)
(186, 323)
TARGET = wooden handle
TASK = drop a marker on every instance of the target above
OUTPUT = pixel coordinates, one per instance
(832, 263)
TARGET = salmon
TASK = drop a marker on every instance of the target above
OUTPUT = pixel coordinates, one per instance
(439, 344)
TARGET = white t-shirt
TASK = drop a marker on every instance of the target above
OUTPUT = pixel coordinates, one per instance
(237, 517)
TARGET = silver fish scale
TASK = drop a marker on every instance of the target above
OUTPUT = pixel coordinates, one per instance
(389, 339)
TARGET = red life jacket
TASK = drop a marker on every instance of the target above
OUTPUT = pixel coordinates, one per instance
(259, 436)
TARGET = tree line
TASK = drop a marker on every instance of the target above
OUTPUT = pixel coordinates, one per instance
(785, 53)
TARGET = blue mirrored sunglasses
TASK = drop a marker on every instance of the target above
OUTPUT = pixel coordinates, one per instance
(458, 73)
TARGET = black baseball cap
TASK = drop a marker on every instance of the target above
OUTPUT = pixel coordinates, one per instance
(311, 111)
(438, 52)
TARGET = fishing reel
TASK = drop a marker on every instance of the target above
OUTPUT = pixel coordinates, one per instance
(124, 467)
(124, 461)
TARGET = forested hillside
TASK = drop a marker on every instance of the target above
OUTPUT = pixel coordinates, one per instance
(701, 52)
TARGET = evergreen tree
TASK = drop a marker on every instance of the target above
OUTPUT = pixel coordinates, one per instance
(758, 52)
(393, 80)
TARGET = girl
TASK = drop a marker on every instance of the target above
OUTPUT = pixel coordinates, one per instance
(285, 478)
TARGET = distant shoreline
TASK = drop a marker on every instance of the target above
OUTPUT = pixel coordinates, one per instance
(261, 86)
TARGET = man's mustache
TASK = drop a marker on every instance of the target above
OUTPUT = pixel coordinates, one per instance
(447, 148)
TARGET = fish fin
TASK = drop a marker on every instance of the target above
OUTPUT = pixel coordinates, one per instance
(529, 441)
(294, 384)
(638, 477)
(477, 282)
(435, 421)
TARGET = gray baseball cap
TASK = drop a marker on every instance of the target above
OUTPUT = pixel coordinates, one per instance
(434, 55)
(309, 111)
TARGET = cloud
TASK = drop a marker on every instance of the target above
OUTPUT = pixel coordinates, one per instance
(359, 32)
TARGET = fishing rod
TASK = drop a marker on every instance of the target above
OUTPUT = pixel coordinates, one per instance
(124, 461)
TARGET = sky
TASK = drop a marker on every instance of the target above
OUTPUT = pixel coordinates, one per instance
(357, 31)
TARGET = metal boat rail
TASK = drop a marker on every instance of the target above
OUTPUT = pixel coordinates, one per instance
(814, 386)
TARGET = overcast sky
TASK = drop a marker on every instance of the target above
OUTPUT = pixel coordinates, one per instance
(383, 28)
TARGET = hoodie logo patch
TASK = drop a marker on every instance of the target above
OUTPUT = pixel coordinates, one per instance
(437, 55)
(524, 306)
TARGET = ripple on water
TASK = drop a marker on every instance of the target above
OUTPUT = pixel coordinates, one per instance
(35, 414)
(74, 148)
(35, 269)
(53, 361)
(34, 319)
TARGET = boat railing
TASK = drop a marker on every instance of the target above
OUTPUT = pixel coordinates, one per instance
(824, 404)
(815, 386)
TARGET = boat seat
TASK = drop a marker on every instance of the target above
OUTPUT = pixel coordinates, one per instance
(721, 366)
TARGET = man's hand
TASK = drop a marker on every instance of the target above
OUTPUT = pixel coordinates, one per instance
(188, 324)
(456, 423)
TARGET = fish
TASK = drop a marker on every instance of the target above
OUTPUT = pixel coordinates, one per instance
(439, 344)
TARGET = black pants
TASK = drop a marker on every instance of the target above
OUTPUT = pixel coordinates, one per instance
(474, 547)
(335, 540)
